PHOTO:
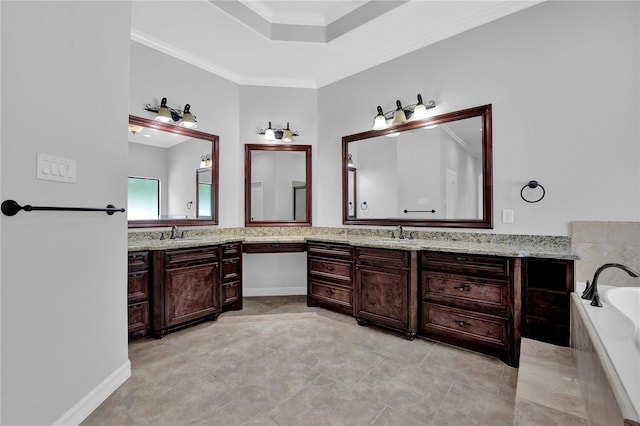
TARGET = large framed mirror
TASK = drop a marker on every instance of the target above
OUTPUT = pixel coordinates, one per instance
(277, 185)
(172, 175)
(435, 172)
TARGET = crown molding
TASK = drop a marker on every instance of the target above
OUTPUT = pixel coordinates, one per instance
(166, 48)
(500, 10)
(503, 9)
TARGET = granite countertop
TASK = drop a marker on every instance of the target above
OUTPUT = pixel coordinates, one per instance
(471, 247)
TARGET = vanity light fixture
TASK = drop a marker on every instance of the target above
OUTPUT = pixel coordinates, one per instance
(402, 114)
(205, 161)
(166, 114)
(285, 135)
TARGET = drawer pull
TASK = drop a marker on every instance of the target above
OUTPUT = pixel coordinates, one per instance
(463, 288)
(329, 268)
(461, 258)
(138, 275)
(329, 292)
(462, 323)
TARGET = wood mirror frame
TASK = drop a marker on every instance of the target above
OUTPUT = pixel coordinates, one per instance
(249, 149)
(148, 223)
(484, 112)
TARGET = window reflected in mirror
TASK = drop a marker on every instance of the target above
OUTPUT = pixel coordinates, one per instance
(143, 198)
(277, 185)
(170, 156)
(205, 191)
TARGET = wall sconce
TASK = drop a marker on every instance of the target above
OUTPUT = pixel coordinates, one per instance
(402, 114)
(286, 135)
(166, 114)
(205, 161)
(350, 162)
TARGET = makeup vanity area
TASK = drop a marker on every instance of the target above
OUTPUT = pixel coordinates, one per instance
(480, 291)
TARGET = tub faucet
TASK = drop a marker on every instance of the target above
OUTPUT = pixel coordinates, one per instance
(591, 292)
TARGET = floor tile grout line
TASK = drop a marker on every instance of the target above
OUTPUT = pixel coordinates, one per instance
(378, 416)
(435, 416)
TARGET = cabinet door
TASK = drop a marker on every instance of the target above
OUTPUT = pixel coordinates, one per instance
(382, 296)
(190, 293)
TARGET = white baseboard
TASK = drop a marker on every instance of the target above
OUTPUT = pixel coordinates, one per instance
(93, 399)
(274, 291)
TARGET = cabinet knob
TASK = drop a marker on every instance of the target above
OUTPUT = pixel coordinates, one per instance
(463, 288)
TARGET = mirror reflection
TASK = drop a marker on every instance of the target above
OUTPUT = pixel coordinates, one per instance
(433, 172)
(205, 191)
(163, 161)
(278, 185)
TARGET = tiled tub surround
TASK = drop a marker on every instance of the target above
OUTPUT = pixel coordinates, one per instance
(543, 246)
(597, 243)
(607, 354)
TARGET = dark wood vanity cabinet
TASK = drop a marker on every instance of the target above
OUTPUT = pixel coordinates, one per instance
(138, 294)
(231, 276)
(546, 300)
(472, 301)
(386, 289)
(185, 289)
(330, 276)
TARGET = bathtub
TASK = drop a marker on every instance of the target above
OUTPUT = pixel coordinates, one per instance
(614, 331)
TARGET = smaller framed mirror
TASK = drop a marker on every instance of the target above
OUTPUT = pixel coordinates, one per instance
(277, 185)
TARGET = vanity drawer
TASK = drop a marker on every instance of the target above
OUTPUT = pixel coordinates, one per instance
(138, 260)
(449, 323)
(464, 288)
(138, 316)
(231, 250)
(138, 287)
(327, 292)
(231, 292)
(331, 250)
(385, 258)
(185, 257)
(329, 269)
(467, 264)
(230, 269)
(274, 247)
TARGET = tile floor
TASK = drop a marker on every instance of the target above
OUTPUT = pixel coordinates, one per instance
(278, 362)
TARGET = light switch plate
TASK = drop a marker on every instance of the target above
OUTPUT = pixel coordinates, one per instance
(507, 215)
(50, 167)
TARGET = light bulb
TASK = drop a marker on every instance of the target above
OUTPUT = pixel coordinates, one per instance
(380, 122)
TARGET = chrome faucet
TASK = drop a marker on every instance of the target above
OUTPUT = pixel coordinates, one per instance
(400, 232)
(591, 292)
(174, 232)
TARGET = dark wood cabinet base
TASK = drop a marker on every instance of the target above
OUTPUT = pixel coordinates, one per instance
(159, 334)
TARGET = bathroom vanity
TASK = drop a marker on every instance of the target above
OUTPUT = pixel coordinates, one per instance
(483, 295)
(172, 287)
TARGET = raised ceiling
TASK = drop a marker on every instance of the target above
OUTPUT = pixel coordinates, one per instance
(305, 44)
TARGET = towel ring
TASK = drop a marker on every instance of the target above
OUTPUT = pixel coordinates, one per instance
(532, 184)
(363, 205)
